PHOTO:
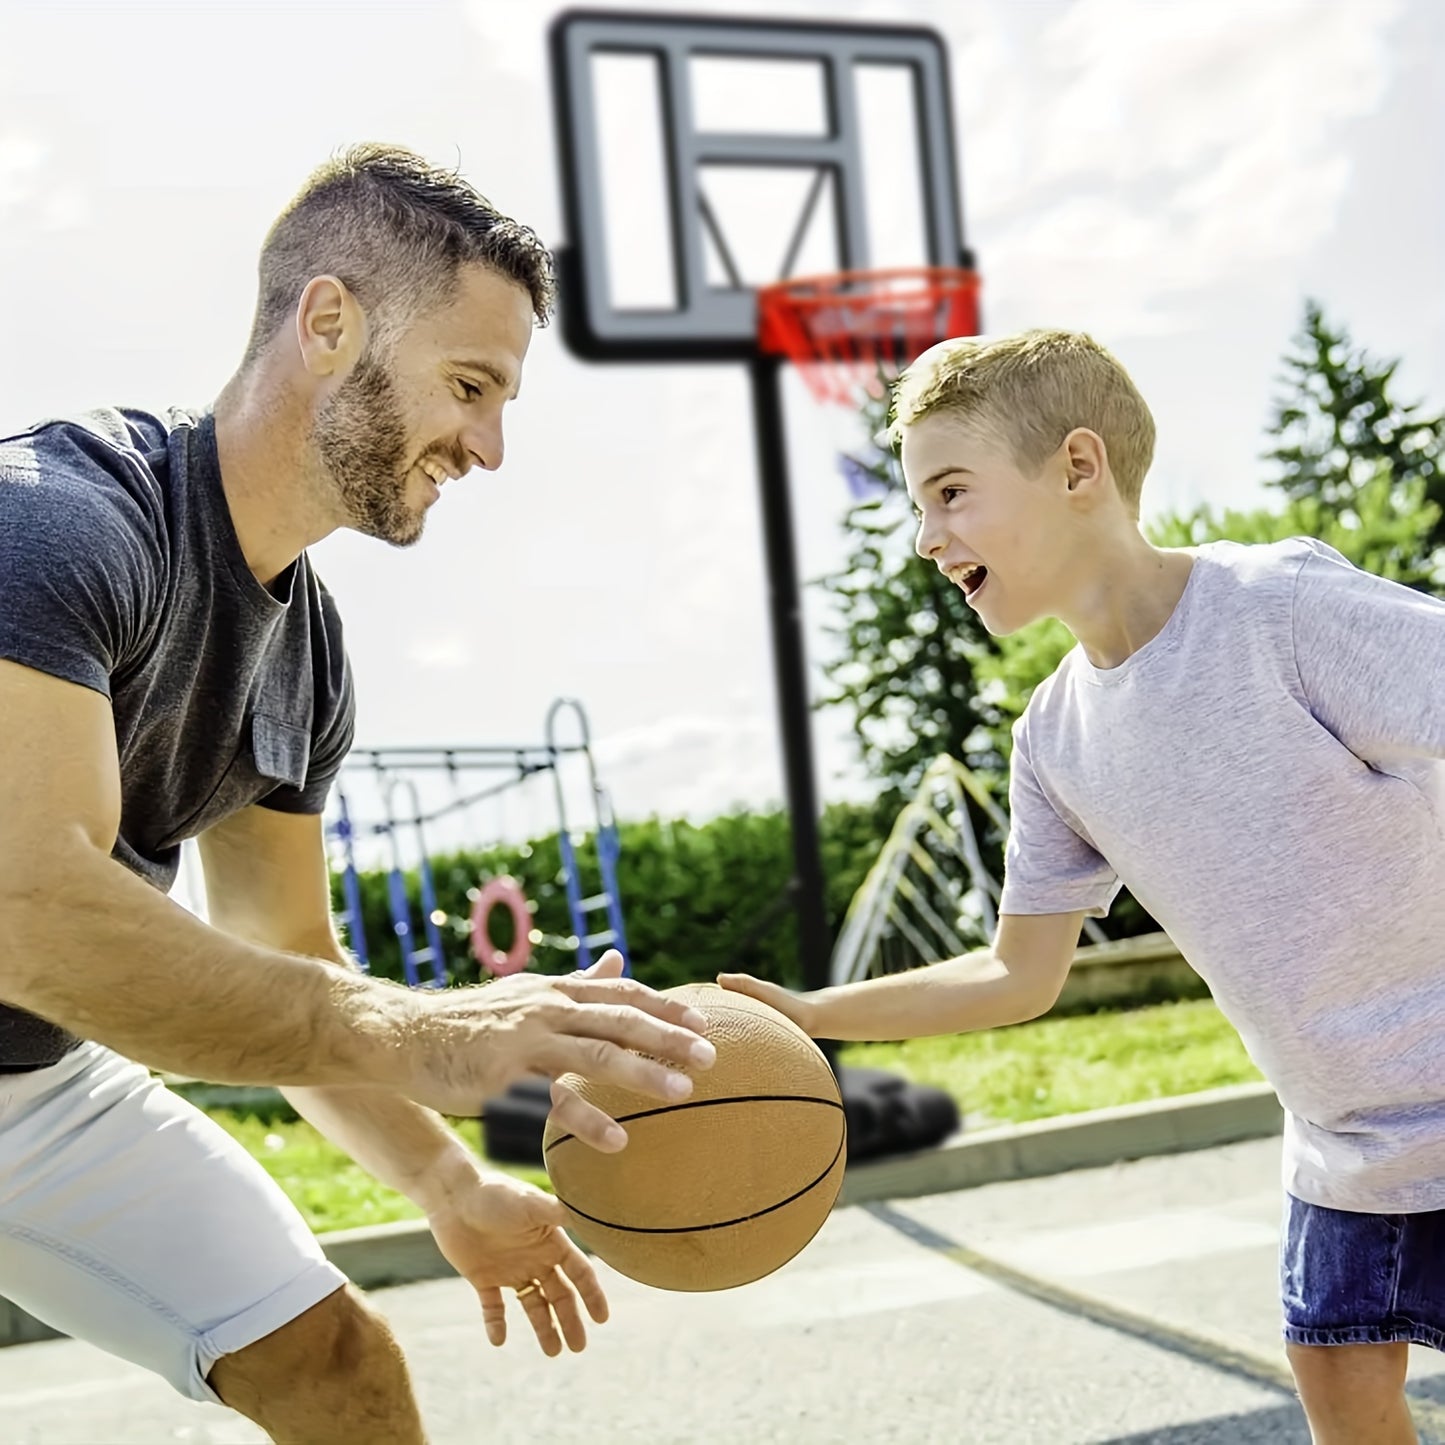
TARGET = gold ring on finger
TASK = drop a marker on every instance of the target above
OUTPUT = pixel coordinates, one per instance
(528, 1289)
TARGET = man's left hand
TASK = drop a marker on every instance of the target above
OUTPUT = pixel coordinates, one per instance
(501, 1234)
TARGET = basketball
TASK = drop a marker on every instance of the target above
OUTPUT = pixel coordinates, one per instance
(726, 1186)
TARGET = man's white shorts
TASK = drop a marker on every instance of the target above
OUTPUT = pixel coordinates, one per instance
(129, 1219)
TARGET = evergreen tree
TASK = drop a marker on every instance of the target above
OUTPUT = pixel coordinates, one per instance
(1337, 427)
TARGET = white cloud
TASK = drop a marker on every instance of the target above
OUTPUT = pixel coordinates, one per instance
(21, 157)
(1132, 155)
(30, 183)
(702, 764)
(444, 654)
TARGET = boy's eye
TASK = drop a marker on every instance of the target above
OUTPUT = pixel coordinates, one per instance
(949, 493)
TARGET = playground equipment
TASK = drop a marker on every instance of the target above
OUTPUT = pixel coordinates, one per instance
(929, 894)
(397, 779)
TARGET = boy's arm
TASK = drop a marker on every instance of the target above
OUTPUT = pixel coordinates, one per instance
(1018, 978)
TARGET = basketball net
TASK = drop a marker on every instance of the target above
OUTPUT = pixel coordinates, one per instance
(848, 333)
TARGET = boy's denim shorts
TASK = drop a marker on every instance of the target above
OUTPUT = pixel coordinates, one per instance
(1362, 1279)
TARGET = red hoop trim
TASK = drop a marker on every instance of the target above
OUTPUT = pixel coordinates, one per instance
(842, 330)
(497, 961)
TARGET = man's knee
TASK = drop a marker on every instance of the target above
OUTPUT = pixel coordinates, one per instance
(351, 1340)
(334, 1372)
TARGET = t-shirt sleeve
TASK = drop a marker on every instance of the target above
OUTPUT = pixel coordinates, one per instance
(1371, 659)
(80, 569)
(1048, 866)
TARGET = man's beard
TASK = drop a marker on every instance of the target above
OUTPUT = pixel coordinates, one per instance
(360, 438)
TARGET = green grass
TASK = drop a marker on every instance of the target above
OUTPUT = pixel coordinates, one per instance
(330, 1191)
(1066, 1065)
(1032, 1071)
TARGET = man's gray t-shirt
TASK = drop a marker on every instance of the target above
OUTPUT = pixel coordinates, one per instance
(120, 570)
(1266, 776)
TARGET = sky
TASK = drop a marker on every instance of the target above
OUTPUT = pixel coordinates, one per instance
(1175, 178)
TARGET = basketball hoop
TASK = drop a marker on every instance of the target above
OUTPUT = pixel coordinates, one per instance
(847, 332)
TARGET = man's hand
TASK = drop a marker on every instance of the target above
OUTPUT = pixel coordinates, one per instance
(468, 1045)
(500, 1234)
(797, 1006)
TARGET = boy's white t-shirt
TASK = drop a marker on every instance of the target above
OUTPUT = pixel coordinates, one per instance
(1267, 775)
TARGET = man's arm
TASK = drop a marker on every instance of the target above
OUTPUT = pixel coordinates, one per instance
(1018, 978)
(267, 882)
(89, 946)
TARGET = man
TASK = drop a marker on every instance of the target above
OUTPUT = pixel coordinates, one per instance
(171, 667)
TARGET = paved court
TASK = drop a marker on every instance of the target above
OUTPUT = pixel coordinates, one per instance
(1133, 1305)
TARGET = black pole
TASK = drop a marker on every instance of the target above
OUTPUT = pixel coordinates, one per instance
(790, 664)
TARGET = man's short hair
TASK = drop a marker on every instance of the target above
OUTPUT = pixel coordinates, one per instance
(396, 230)
(1030, 391)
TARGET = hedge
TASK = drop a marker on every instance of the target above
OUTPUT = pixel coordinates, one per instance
(697, 898)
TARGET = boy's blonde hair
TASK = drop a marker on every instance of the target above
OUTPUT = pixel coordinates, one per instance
(1030, 391)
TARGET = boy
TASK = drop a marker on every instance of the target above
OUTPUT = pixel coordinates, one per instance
(1250, 738)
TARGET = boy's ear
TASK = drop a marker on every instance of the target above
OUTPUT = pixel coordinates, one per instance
(1086, 459)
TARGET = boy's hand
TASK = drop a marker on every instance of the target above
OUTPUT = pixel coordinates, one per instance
(797, 1006)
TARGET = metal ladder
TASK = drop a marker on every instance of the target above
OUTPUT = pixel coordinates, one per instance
(431, 952)
(608, 900)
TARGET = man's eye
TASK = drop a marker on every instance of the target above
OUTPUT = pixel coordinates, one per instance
(470, 390)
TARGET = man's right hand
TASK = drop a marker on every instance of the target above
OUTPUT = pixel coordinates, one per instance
(468, 1045)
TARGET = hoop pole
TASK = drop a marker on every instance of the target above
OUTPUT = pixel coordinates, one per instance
(790, 667)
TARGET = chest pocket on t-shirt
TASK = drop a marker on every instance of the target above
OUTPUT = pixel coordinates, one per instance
(273, 753)
(282, 750)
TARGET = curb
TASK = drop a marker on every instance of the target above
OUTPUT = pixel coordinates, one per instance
(405, 1252)
(1073, 1141)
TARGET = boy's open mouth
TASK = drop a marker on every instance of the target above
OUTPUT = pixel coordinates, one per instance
(971, 578)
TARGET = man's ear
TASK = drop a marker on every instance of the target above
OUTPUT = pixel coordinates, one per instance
(330, 327)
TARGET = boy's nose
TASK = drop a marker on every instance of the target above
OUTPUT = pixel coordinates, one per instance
(927, 542)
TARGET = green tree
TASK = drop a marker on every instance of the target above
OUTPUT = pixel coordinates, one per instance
(1386, 528)
(1337, 428)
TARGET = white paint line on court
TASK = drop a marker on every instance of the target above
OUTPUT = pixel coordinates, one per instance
(849, 1291)
(1141, 1243)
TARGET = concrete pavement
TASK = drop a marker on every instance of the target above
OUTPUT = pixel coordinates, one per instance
(1127, 1305)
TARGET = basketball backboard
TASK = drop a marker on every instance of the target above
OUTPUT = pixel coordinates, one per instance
(704, 156)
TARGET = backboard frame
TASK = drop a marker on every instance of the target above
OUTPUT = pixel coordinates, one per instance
(713, 323)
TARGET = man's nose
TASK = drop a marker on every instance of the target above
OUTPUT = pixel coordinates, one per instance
(484, 445)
